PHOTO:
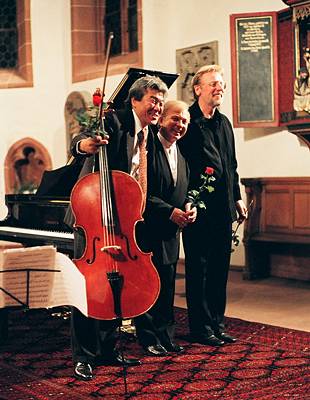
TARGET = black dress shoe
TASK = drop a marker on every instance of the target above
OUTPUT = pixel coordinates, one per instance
(83, 370)
(211, 340)
(116, 359)
(173, 348)
(156, 350)
(226, 338)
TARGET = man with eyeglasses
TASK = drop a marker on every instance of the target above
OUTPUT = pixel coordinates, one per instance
(93, 341)
(209, 142)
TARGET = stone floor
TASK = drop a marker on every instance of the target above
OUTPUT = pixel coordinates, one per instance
(274, 301)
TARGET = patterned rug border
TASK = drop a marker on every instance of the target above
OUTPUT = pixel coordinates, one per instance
(267, 363)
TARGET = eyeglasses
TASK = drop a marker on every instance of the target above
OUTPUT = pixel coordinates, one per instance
(214, 84)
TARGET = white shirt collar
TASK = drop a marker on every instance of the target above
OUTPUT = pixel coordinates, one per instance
(167, 145)
(172, 156)
(138, 126)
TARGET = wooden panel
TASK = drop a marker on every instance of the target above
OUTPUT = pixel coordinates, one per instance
(286, 263)
(287, 73)
(277, 215)
(293, 2)
(301, 207)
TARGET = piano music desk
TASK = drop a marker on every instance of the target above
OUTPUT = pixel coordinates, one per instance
(4, 245)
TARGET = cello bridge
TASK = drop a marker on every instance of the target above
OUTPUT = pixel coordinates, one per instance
(107, 248)
(115, 252)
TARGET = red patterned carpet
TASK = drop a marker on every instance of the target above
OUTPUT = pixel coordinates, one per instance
(267, 363)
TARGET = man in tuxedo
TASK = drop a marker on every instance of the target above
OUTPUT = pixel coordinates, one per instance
(209, 142)
(93, 341)
(167, 211)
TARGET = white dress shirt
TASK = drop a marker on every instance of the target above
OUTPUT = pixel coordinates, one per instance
(172, 156)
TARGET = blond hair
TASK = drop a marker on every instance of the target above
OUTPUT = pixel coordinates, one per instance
(204, 70)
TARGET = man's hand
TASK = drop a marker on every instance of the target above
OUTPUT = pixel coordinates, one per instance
(91, 144)
(179, 217)
(242, 211)
(183, 218)
(191, 213)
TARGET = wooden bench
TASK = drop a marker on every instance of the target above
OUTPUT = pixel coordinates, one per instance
(277, 233)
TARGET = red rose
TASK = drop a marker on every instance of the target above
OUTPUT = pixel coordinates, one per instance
(97, 97)
(209, 171)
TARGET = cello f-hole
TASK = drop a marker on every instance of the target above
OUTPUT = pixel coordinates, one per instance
(92, 260)
(128, 248)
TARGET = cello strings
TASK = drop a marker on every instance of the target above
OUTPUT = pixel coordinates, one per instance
(107, 211)
(103, 197)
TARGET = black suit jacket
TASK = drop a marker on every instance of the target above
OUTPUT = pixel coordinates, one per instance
(163, 197)
(210, 143)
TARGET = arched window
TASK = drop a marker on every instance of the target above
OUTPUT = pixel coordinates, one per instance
(15, 44)
(121, 19)
(92, 21)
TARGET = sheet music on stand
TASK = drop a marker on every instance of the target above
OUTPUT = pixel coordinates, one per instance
(40, 277)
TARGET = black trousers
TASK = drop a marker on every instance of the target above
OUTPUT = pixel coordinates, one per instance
(156, 326)
(207, 247)
(90, 338)
(3, 324)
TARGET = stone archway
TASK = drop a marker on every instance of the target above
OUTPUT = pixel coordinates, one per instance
(76, 102)
(24, 165)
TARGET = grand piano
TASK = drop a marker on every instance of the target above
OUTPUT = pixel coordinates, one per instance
(37, 219)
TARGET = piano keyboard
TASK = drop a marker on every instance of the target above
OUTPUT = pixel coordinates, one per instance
(18, 232)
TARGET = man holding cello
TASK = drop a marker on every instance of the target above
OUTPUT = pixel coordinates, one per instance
(94, 340)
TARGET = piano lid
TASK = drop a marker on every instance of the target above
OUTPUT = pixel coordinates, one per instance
(121, 92)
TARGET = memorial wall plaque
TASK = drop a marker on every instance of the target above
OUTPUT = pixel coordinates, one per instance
(254, 70)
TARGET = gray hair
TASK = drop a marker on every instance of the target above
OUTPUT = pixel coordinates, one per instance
(141, 85)
(204, 70)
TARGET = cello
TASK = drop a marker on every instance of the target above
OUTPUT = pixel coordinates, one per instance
(121, 280)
